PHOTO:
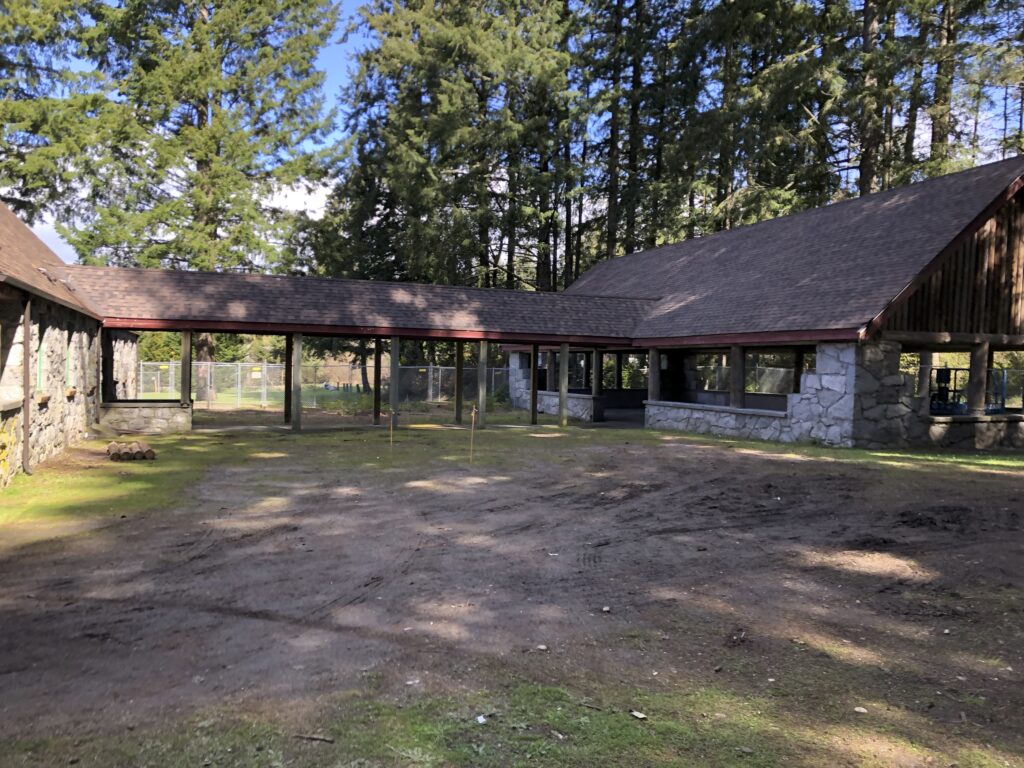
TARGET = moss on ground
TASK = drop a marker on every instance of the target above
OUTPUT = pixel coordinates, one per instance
(525, 724)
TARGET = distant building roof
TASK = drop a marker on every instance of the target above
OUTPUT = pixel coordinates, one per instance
(27, 263)
(832, 268)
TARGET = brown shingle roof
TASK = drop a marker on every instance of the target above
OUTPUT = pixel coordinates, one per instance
(158, 298)
(834, 267)
(823, 272)
(26, 263)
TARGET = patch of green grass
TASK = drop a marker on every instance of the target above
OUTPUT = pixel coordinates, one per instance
(899, 458)
(87, 484)
(526, 724)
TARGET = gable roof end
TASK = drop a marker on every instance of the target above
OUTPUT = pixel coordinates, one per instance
(28, 264)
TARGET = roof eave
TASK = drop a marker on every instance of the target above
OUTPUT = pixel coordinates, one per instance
(755, 338)
(80, 307)
(456, 334)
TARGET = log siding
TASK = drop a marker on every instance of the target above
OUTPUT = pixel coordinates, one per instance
(978, 287)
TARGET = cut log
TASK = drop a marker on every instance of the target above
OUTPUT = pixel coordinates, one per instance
(112, 448)
(137, 453)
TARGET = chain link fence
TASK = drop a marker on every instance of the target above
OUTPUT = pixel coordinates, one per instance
(236, 386)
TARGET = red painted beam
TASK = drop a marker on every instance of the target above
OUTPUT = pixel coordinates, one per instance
(754, 338)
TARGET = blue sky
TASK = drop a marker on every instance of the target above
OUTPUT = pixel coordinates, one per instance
(336, 61)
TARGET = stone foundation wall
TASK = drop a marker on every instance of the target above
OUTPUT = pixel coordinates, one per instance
(715, 420)
(519, 379)
(581, 407)
(63, 364)
(821, 412)
(888, 414)
(147, 417)
(983, 433)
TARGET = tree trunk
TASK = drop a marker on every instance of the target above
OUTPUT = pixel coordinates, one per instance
(725, 181)
(945, 69)
(916, 94)
(632, 196)
(870, 137)
(544, 277)
(612, 234)
(205, 353)
(512, 226)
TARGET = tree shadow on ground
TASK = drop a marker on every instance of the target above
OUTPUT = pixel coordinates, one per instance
(756, 599)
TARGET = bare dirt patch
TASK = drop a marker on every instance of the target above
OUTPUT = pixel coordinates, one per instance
(815, 584)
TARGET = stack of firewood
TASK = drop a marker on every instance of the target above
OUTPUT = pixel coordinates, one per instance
(130, 451)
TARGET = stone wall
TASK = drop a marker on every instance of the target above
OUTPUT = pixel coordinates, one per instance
(64, 369)
(821, 412)
(147, 417)
(519, 379)
(995, 432)
(581, 407)
(715, 420)
(889, 414)
(886, 412)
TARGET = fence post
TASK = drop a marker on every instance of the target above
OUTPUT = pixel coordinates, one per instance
(314, 386)
(238, 385)
(430, 383)
(263, 386)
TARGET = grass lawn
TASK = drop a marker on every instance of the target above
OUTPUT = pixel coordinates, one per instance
(346, 598)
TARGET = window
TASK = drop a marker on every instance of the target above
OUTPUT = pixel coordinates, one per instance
(770, 372)
(710, 372)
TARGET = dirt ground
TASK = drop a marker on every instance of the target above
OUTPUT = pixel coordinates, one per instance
(814, 583)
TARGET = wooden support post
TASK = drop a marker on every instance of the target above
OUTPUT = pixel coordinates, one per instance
(395, 385)
(596, 384)
(737, 376)
(186, 368)
(377, 356)
(534, 365)
(799, 363)
(587, 370)
(563, 386)
(108, 387)
(977, 385)
(925, 361)
(295, 363)
(460, 355)
(288, 344)
(618, 370)
(653, 374)
(481, 387)
(26, 383)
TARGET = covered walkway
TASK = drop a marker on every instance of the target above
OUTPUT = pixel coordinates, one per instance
(387, 313)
